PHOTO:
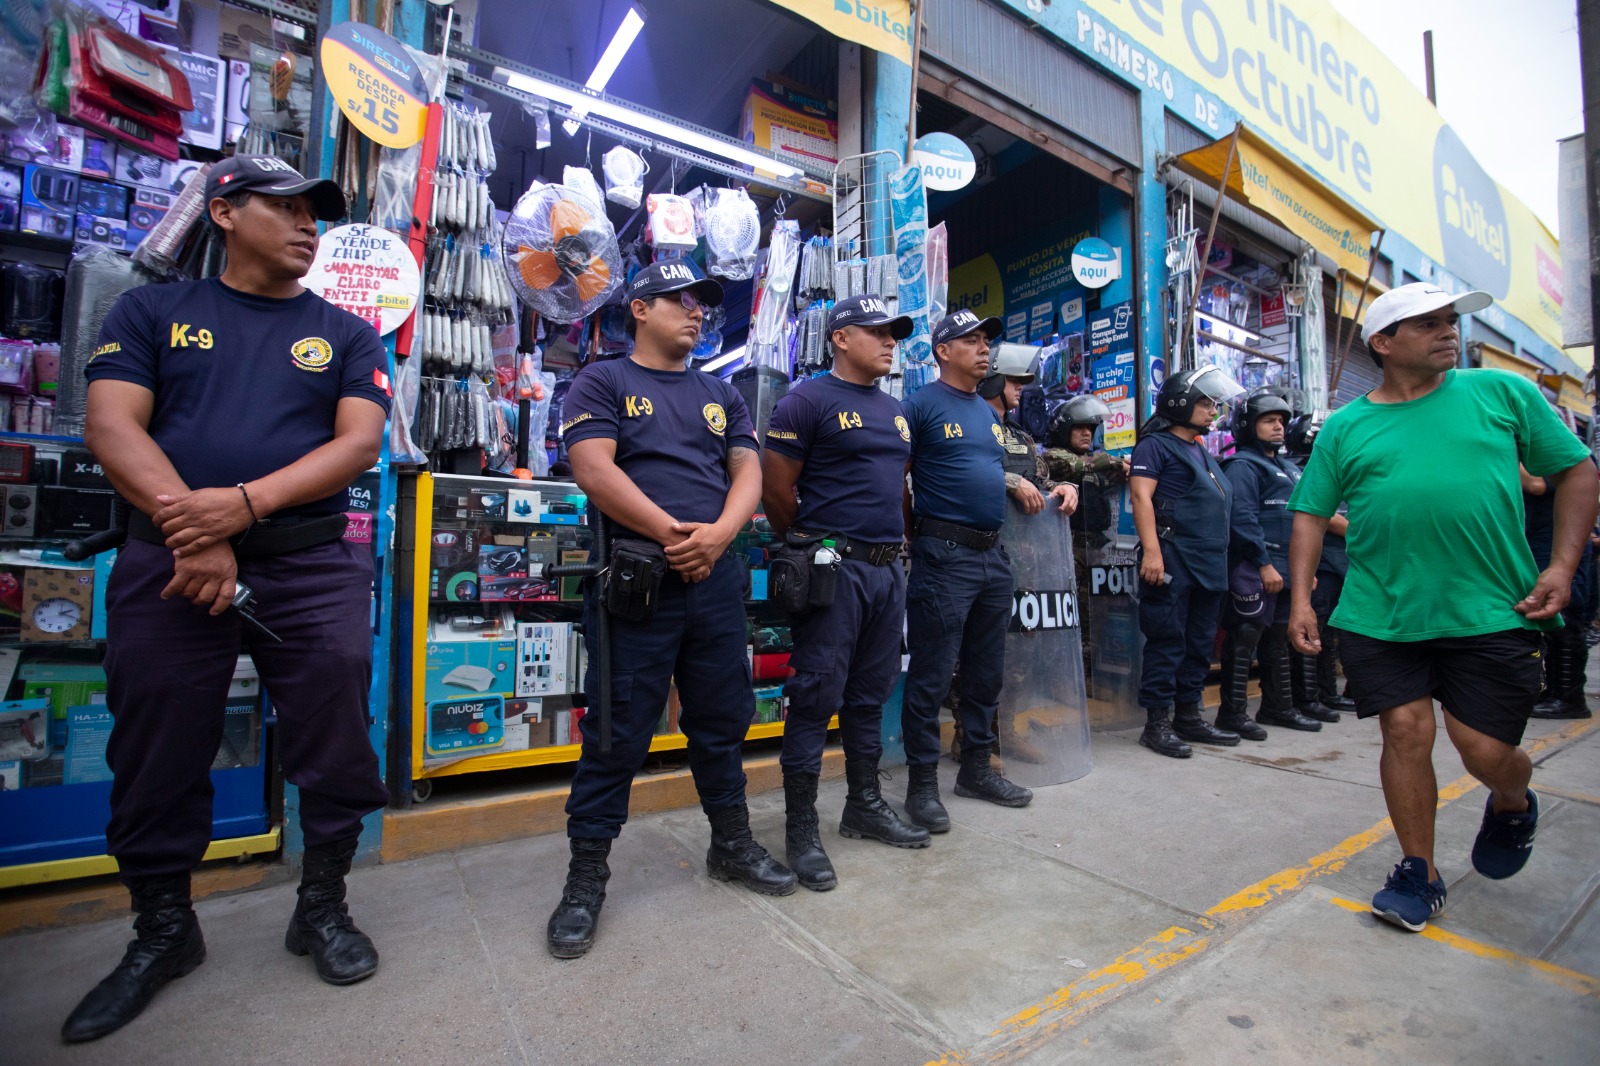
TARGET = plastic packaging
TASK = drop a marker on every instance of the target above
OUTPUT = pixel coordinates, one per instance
(733, 234)
(938, 271)
(96, 279)
(769, 343)
(624, 170)
(33, 302)
(159, 250)
(671, 222)
(582, 180)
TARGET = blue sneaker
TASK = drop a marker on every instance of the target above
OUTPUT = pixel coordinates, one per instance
(1506, 840)
(1408, 898)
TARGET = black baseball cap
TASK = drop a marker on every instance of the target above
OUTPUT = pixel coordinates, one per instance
(269, 174)
(674, 275)
(868, 310)
(962, 322)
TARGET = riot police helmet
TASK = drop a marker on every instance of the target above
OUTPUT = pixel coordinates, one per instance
(1301, 435)
(1182, 391)
(1259, 404)
(1019, 361)
(1090, 411)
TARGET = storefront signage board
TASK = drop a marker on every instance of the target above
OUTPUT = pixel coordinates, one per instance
(882, 25)
(378, 85)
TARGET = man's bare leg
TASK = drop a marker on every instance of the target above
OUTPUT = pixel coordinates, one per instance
(1406, 769)
(1504, 769)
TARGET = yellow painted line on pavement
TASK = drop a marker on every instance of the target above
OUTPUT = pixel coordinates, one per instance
(1064, 1007)
(1581, 797)
(1571, 980)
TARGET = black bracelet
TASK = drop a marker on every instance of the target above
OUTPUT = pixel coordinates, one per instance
(247, 503)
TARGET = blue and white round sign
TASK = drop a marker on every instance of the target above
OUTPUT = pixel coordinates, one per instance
(946, 163)
(1095, 263)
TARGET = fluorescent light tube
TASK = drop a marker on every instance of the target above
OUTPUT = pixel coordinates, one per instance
(611, 58)
(724, 359)
(579, 100)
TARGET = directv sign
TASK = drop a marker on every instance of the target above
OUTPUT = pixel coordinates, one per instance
(946, 163)
(1095, 263)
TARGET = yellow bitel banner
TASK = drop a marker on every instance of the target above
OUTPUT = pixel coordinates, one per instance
(882, 25)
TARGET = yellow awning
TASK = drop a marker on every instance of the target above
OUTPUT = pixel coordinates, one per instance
(1569, 393)
(883, 25)
(1500, 359)
(1271, 184)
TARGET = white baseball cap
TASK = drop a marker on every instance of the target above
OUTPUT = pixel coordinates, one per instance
(1418, 298)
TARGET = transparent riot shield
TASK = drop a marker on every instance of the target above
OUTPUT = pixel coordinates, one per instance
(1044, 722)
(1108, 587)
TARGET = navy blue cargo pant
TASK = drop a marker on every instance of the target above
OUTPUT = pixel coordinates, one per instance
(1179, 623)
(958, 605)
(698, 635)
(168, 666)
(845, 660)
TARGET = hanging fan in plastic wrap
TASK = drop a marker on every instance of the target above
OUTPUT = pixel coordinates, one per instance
(561, 253)
(733, 233)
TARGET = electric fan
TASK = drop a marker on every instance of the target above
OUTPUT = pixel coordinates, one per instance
(561, 253)
(733, 233)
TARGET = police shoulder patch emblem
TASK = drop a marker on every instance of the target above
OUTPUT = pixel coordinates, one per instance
(312, 353)
(902, 426)
(716, 418)
(999, 435)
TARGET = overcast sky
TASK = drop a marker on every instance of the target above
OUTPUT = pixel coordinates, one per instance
(1507, 77)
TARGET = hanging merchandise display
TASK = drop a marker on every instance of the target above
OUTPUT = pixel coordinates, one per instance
(561, 253)
(733, 234)
(909, 211)
(671, 222)
(624, 170)
(770, 320)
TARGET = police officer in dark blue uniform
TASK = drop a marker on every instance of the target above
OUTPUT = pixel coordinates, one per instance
(1319, 683)
(1566, 651)
(1256, 622)
(959, 594)
(233, 413)
(669, 456)
(1181, 500)
(841, 444)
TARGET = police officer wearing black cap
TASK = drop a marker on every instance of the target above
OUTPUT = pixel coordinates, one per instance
(958, 597)
(668, 454)
(1256, 620)
(1317, 678)
(836, 450)
(233, 413)
(1181, 500)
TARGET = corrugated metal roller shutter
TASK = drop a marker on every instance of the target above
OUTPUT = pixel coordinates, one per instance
(994, 47)
(1360, 375)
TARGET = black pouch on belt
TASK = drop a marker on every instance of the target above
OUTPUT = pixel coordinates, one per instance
(633, 579)
(790, 570)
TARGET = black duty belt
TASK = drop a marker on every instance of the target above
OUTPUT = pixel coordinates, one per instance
(860, 550)
(277, 536)
(981, 539)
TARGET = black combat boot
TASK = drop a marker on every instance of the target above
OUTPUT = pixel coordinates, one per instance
(1277, 691)
(734, 855)
(1159, 737)
(866, 815)
(1328, 671)
(166, 944)
(1565, 677)
(922, 799)
(321, 926)
(978, 780)
(802, 845)
(572, 924)
(1238, 651)
(1303, 683)
(1189, 724)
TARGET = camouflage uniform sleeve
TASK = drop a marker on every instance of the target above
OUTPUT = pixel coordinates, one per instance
(1107, 464)
(1041, 469)
(1064, 465)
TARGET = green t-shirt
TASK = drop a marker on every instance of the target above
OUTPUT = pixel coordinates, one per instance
(1436, 541)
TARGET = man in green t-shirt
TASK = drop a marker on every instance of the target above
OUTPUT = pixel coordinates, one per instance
(1443, 600)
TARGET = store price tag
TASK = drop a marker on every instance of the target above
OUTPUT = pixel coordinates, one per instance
(369, 272)
(379, 87)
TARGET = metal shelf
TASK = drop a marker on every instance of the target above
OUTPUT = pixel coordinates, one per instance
(39, 873)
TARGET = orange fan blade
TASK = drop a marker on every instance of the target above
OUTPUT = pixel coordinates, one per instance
(538, 269)
(593, 281)
(567, 219)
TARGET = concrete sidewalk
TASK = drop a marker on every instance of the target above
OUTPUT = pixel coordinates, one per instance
(1153, 912)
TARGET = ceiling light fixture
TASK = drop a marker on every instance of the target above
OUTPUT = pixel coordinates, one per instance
(611, 58)
(581, 100)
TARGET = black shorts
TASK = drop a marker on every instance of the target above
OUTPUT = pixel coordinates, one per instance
(1489, 682)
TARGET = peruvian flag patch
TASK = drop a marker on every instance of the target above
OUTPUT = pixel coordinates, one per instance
(380, 379)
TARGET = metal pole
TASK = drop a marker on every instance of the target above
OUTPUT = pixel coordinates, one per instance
(1589, 62)
(916, 66)
(1355, 317)
(1427, 66)
(1211, 233)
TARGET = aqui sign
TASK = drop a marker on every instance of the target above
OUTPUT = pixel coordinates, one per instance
(947, 164)
(1095, 263)
(378, 85)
